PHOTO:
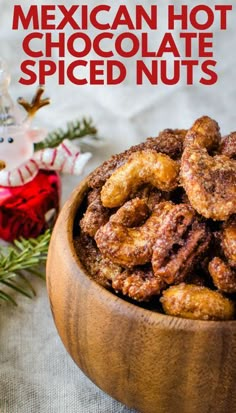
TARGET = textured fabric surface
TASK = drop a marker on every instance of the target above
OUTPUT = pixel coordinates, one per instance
(36, 373)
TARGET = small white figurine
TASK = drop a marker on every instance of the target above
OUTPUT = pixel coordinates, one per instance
(18, 162)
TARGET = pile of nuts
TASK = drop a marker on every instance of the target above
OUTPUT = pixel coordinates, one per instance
(160, 223)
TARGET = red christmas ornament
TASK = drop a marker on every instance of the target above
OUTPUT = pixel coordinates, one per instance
(28, 209)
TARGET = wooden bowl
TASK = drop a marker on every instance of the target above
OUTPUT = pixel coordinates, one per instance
(149, 361)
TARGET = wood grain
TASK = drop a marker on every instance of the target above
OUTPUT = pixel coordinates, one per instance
(149, 361)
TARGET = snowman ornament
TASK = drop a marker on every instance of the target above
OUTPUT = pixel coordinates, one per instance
(29, 180)
(19, 163)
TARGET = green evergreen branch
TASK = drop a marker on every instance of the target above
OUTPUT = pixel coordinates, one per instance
(19, 260)
(74, 130)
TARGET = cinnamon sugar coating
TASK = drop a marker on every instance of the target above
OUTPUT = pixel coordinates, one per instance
(138, 284)
(181, 241)
(95, 216)
(224, 277)
(151, 233)
(130, 246)
(169, 142)
(228, 145)
(209, 183)
(197, 303)
(229, 241)
(142, 167)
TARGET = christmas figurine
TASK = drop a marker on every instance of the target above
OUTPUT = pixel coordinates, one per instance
(29, 185)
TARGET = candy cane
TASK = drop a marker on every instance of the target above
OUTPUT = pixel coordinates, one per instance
(66, 158)
(20, 175)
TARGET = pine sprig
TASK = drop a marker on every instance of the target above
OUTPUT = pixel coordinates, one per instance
(74, 130)
(18, 261)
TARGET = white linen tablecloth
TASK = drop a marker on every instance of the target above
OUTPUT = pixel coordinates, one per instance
(36, 373)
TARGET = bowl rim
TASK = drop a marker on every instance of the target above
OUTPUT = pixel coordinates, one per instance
(67, 218)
